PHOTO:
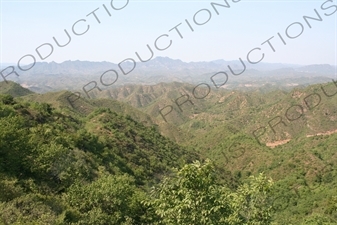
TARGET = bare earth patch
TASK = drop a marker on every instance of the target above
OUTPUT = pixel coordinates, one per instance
(276, 143)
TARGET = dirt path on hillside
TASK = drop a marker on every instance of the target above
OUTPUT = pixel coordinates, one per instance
(325, 133)
(282, 142)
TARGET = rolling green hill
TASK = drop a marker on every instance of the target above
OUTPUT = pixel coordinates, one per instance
(13, 89)
(304, 111)
(45, 151)
(59, 160)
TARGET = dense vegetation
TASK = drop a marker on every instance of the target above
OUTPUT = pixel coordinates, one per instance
(104, 162)
(57, 169)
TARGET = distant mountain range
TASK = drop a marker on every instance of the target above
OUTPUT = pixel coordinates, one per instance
(73, 75)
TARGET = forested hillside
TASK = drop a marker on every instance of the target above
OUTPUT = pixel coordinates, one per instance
(44, 152)
(102, 161)
(289, 135)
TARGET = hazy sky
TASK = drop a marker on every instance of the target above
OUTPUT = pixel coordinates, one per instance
(26, 25)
